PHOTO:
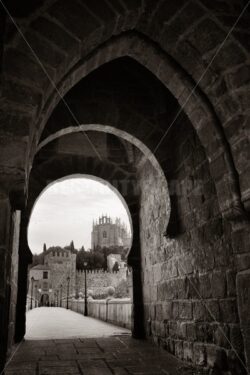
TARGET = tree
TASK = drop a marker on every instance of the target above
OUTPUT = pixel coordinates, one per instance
(44, 248)
(72, 246)
(37, 259)
(116, 267)
(81, 257)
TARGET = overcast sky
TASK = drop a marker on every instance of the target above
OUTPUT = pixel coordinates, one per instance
(65, 212)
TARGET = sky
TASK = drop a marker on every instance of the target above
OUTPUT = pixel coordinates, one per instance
(66, 210)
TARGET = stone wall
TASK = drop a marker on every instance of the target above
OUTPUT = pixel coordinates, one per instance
(189, 275)
(175, 40)
(98, 280)
(113, 310)
(5, 273)
(16, 220)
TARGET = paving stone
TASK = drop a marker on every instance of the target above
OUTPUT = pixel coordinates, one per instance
(139, 357)
(24, 368)
(117, 355)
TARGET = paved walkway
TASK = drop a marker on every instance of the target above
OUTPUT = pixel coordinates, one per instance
(58, 323)
(96, 355)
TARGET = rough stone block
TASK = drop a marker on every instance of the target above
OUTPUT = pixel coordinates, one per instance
(159, 314)
(172, 325)
(239, 76)
(48, 55)
(216, 357)
(168, 269)
(243, 291)
(152, 311)
(181, 330)
(199, 311)
(187, 351)
(185, 265)
(167, 310)
(218, 284)
(241, 240)
(230, 55)
(206, 36)
(221, 335)
(204, 332)
(57, 35)
(74, 18)
(180, 287)
(236, 338)
(22, 95)
(2, 271)
(191, 331)
(199, 354)
(166, 11)
(228, 310)
(185, 310)
(205, 286)
(193, 286)
(175, 310)
(213, 310)
(231, 283)
(242, 262)
(179, 348)
(23, 66)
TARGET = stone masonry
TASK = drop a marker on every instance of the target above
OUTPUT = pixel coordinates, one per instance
(154, 102)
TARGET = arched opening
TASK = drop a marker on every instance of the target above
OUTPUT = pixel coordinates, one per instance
(76, 263)
(164, 269)
(179, 274)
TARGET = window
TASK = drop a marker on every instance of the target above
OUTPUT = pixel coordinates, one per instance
(104, 234)
(45, 275)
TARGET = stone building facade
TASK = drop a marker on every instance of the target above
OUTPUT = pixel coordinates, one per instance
(106, 233)
(50, 279)
(40, 286)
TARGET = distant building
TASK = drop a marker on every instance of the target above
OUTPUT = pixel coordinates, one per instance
(106, 233)
(50, 279)
(40, 287)
(115, 258)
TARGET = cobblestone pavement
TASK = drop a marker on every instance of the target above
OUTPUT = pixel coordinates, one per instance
(117, 355)
(102, 349)
(58, 323)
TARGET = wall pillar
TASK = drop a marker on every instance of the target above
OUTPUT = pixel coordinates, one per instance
(243, 292)
(13, 277)
(25, 258)
(137, 319)
(5, 269)
(240, 243)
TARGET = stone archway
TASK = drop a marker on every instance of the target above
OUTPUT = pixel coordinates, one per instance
(58, 168)
(44, 301)
(176, 53)
(164, 270)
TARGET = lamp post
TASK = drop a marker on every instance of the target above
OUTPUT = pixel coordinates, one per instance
(49, 303)
(85, 263)
(40, 292)
(61, 295)
(31, 300)
(35, 295)
(68, 280)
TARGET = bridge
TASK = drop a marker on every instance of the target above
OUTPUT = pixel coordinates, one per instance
(61, 341)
